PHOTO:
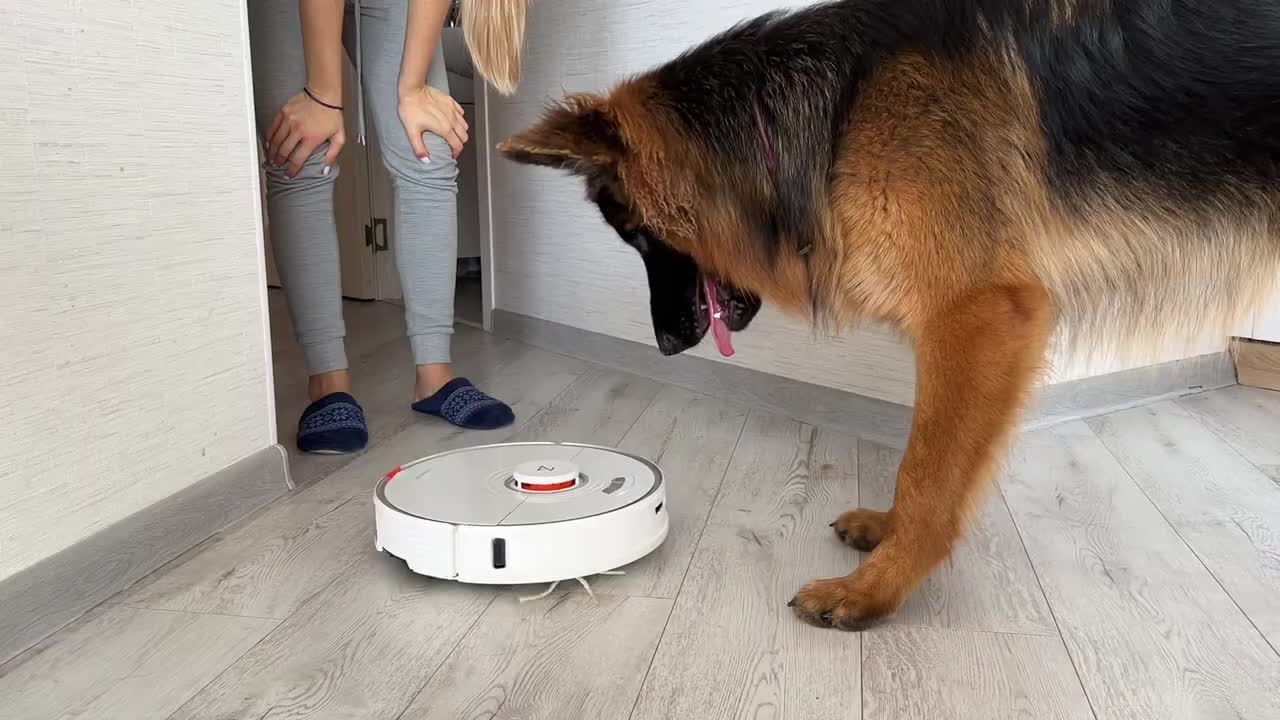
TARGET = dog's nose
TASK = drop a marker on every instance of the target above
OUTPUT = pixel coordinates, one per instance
(669, 344)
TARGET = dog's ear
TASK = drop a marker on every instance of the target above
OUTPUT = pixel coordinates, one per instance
(579, 134)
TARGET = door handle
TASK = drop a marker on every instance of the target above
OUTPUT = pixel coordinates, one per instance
(375, 239)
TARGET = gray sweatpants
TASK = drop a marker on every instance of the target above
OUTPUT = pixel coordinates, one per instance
(303, 231)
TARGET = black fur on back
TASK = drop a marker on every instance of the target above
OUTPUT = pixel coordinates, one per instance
(1180, 98)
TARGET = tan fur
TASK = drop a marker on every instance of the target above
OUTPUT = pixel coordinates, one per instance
(1128, 286)
(935, 188)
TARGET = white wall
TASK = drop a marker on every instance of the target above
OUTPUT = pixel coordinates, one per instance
(1265, 323)
(555, 259)
(133, 343)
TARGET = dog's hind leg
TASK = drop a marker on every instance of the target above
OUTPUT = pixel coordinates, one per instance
(975, 363)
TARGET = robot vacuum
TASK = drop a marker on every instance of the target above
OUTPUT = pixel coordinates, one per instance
(518, 513)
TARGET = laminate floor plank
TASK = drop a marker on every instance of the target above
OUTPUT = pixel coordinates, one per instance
(363, 649)
(732, 648)
(1225, 509)
(691, 437)
(986, 584)
(120, 663)
(264, 569)
(599, 408)
(565, 656)
(1246, 417)
(1150, 631)
(917, 673)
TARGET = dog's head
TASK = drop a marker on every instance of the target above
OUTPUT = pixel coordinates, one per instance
(645, 179)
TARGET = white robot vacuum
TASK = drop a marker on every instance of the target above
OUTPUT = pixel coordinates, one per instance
(518, 513)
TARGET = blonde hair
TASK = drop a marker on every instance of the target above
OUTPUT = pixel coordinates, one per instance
(494, 32)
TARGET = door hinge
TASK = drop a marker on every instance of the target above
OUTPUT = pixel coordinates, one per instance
(375, 239)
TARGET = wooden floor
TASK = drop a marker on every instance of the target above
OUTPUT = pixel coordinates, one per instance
(1127, 567)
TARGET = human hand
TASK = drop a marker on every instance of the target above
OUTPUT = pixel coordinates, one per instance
(299, 128)
(426, 109)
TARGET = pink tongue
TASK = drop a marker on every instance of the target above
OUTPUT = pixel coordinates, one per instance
(719, 328)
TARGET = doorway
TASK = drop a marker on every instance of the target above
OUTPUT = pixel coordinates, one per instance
(363, 204)
(377, 351)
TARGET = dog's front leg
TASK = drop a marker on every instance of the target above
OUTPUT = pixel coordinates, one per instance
(975, 363)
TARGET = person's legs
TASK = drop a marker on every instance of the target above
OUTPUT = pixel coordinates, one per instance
(304, 237)
(426, 222)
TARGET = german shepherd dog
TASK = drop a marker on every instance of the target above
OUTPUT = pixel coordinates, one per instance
(990, 177)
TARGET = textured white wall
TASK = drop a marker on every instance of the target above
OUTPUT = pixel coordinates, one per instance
(555, 259)
(133, 343)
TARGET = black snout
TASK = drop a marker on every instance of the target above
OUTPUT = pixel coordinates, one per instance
(679, 322)
(669, 344)
(679, 311)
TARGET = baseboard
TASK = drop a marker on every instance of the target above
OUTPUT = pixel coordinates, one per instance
(876, 420)
(45, 597)
(1258, 364)
(1116, 391)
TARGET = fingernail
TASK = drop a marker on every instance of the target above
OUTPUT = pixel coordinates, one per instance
(326, 170)
(424, 159)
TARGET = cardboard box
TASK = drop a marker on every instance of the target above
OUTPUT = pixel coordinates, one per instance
(1258, 364)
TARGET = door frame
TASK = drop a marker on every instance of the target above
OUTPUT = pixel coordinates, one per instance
(484, 154)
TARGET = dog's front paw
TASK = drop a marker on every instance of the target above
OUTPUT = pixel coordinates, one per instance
(835, 603)
(862, 529)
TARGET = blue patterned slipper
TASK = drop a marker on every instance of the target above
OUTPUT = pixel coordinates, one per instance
(462, 404)
(333, 425)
